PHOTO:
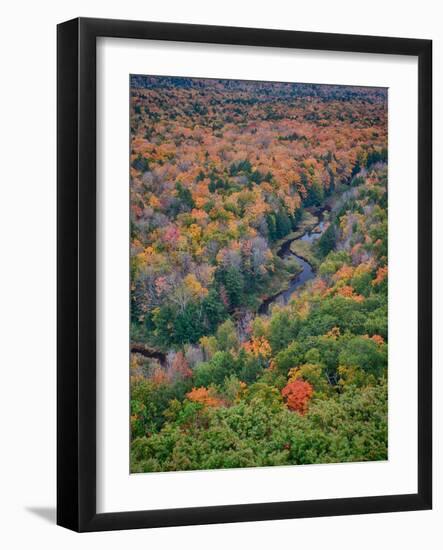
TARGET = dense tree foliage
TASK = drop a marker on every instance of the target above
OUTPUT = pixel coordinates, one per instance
(222, 174)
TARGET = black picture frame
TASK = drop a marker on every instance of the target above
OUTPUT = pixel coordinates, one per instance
(76, 266)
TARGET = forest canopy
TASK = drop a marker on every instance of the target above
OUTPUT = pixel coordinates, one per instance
(258, 273)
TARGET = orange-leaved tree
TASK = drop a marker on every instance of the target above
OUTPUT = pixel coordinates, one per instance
(297, 395)
(204, 396)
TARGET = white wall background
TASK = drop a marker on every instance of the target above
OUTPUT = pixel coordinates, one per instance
(27, 289)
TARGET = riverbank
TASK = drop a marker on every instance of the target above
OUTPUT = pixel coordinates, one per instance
(307, 223)
(305, 250)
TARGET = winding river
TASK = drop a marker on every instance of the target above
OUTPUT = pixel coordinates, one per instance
(307, 271)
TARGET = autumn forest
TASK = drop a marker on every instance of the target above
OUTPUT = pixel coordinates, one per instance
(259, 274)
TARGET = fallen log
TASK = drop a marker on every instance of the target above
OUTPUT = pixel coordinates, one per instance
(147, 351)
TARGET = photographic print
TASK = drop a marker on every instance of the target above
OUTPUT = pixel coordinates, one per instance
(258, 273)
